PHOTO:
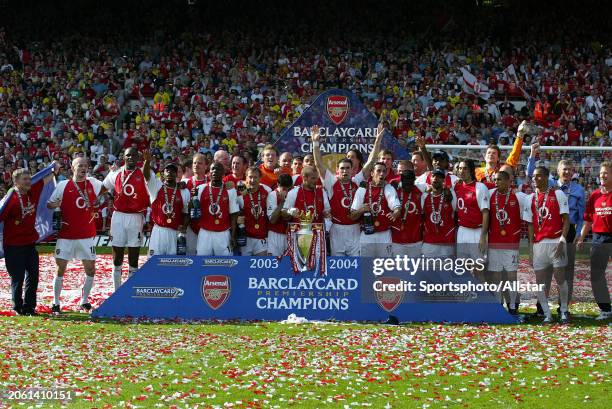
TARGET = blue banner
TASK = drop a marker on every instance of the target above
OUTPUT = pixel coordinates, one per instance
(44, 216)
(345, 123)
(264, 288)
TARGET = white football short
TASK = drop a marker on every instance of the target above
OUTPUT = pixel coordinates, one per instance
(468, 243)
(214, 243)
(79, 249)
(543, 255)
(503, 260)
(254, 246)
(277, 243)
(126, 229)
(412, 250)
(375, 245)
(344, 239)
(431, 250)
(162, 242)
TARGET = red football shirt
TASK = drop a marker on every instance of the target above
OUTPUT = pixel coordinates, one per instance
(19, 228)
(78, 218)
(130, 190)
(599, 212)
(506, 216)
(227, 205)
(409, 227)
(472, 199)
(256, 220)
(440, 231)
(170, 204)
(549, 210)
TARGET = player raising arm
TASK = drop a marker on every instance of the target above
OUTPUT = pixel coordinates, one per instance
(128, 184)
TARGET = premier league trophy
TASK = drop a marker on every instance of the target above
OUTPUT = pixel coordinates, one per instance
(306, 244)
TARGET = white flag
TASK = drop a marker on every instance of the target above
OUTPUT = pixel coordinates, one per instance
(472, 86)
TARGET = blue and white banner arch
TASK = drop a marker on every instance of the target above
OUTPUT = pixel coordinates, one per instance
(345, 123)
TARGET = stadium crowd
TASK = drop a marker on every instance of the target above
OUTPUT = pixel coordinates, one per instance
(212, 100)
(63, 96)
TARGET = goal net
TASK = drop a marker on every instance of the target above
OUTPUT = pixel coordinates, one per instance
(586, 161)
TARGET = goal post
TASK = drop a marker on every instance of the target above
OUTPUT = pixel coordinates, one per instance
(586, 159)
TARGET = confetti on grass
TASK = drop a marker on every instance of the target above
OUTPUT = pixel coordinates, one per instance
(133, 363)
(274, 365)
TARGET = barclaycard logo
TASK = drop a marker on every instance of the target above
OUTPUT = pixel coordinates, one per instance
(220, 262)
(157, 292)
(175, 261)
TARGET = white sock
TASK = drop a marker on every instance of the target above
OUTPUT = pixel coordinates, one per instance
(117, 276)
(544, 303)
(58, 283)
(87, 289)
(563, 295)
(132, 270)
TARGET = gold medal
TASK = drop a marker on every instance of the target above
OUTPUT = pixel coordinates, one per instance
(503, 232)
(17, 222)
(376, 223)
(256, 226)
(216, 221)
(168, 220)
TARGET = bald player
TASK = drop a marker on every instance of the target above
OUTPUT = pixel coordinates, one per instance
(223, 157)
(76, 199)
(308, 198)
(285, 160)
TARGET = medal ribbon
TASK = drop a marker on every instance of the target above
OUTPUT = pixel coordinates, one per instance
(379, 201)
(169, 205)
(350, 190)
(501, 222)
(83, 195)
(539, 208)
(407, 205)
(433, 207)
(216, 202)
(24, 211)
(256, 213)
(124, 180)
